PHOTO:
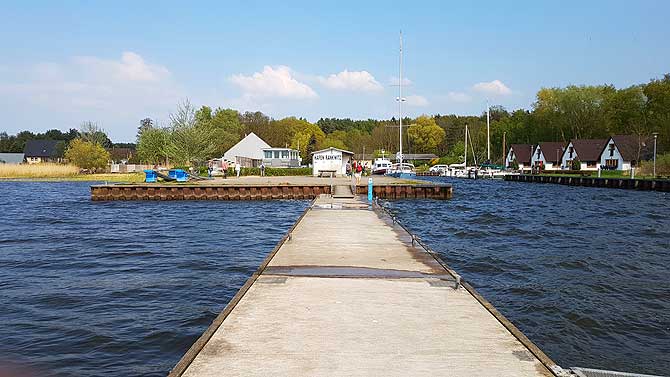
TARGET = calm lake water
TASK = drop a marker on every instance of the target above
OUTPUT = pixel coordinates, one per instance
(124, 288)
(583, 272)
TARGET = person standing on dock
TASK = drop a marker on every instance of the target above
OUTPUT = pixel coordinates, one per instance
(262, 169)
(359, 173)
(224, 167)
(238, 168)
(348, 169)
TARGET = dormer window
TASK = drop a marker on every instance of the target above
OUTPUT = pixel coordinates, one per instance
(612, 150)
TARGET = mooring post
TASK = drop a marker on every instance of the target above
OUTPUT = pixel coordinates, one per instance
(370, 190)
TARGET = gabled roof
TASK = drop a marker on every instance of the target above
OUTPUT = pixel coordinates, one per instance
(334, 149)
(40, 148)
(11, 158)
(628, 146)
(522, 152)
(589, 149)
(249, 147)
(549, 149)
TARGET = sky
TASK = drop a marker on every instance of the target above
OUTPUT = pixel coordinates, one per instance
(116, 62)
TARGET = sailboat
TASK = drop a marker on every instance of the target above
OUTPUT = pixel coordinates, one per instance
(400, 169)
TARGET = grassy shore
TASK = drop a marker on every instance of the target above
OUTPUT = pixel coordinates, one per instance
(60, 172)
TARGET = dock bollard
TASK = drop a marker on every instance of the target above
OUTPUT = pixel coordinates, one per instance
(370, 190)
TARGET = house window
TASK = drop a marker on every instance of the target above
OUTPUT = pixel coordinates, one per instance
(268, 154)
(284, 154)
(612, 150)
(590, 164)
(570, 151)
(538, 153)
(612, 163)
(276, 154)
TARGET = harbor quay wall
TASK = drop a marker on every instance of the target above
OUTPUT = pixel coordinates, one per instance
(620, 183)
(256, 192)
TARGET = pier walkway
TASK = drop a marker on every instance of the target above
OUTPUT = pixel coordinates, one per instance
(347, 294)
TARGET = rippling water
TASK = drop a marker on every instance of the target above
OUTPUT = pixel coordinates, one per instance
(583, 272)
(120, 288)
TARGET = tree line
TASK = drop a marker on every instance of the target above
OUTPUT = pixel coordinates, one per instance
(194, 135)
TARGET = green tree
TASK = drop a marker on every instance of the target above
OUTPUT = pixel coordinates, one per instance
(91, 132)
(87, 155)
(152, 144)
(425, 134)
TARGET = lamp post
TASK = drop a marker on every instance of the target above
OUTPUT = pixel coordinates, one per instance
(655, 137)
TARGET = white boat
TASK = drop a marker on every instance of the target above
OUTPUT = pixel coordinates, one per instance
(400, 169)
(381, 166)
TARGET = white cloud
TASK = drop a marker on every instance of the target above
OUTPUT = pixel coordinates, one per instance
(361, 81)
(273, 82)
(416, 100)
(458, 97)
(405, 81)
(495, 87)
(114, 92)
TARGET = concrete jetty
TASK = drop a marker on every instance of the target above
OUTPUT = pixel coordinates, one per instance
(348, 292)
(266, 188)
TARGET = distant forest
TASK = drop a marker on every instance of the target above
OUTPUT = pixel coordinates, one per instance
(558, 114)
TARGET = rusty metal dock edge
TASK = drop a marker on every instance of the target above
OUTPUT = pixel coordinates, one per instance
(257, 192)
(199, 344)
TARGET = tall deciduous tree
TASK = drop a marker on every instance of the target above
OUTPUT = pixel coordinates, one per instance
(425, 135)
(87, 155)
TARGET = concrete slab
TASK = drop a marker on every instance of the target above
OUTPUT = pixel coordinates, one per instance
(348, 295)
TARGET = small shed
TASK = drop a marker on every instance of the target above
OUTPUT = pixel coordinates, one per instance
(331, 160)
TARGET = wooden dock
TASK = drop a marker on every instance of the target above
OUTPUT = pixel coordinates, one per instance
(348, 292)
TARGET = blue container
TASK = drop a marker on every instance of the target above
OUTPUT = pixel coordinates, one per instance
(179, 174)
(150, 176)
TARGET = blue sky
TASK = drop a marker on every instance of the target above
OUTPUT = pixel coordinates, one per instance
(63, 63)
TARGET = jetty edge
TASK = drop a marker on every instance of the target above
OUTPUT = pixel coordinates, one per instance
(349, 291)
(267, 188)
(603, 182)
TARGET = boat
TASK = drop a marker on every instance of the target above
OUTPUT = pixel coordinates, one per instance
(400, 169)
(381, 166)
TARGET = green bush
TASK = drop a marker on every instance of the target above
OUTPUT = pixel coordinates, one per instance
(515, 164)
(576, 165)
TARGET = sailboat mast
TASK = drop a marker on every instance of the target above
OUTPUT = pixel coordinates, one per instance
(466, 147)
(488, 136)
(400, 99)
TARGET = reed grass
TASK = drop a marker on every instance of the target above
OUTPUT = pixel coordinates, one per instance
(45, 170)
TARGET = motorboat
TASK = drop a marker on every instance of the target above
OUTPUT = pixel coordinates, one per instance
(402, 170)
(381, 166)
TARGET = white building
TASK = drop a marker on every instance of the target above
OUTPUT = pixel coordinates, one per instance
(548, 155)
(248, 152)
(281, 158)
(586, 151)
(331, 160)
(622, 151)
(521, 153)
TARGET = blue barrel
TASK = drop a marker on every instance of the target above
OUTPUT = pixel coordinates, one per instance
(150, 176)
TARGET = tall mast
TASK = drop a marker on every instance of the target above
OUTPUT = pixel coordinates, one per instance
(488, 137)
(400, 99)
(466, 147)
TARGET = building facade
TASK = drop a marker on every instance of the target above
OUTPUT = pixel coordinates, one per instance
(248, 152)
(548, 155)
(521, 153)
(41, 151)
(331, 160)
(622, 152)
(281, 158)
(586, 151)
